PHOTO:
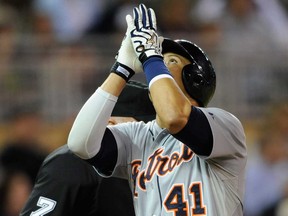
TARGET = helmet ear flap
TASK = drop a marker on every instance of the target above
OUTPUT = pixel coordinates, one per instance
(193, 73)
(193, 80)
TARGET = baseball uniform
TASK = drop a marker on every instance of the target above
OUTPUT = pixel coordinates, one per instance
(168, 178)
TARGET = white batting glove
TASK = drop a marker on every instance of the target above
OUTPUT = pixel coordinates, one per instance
(143, 34)
(127, 62)
(127, 56)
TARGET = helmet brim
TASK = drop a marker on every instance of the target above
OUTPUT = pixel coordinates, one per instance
(172, 46)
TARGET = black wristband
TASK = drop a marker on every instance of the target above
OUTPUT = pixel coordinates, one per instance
(122, 70)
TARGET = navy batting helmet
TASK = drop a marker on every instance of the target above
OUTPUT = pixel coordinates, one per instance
(199, 77)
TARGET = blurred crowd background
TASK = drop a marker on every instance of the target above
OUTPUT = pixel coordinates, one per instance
(55, 53)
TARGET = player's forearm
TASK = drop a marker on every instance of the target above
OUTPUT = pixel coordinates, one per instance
(173, 108)
(114, 84)
(89, 126)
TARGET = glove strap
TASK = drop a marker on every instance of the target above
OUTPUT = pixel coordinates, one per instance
(122, 70)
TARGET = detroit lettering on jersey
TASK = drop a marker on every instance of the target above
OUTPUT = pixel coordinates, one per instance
(158, 164)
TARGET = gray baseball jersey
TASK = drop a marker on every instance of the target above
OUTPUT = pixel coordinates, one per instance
(168, 178)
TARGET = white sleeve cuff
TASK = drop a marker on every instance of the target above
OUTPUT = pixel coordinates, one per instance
(161, 76)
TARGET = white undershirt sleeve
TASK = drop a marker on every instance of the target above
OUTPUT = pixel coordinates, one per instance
(89, 126)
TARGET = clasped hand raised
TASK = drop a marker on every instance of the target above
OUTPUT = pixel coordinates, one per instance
(142, 27)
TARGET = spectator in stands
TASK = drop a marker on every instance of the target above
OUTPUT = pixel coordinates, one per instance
(267, 170)
(242, 34)
(70, 19)
(23, 149)
(15, 188)
(8, 30)
(174, 16)
(21, 156)
(114, 14)
(276, 16)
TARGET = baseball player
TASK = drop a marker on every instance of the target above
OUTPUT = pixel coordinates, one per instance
(191, 159)
(67, 185)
